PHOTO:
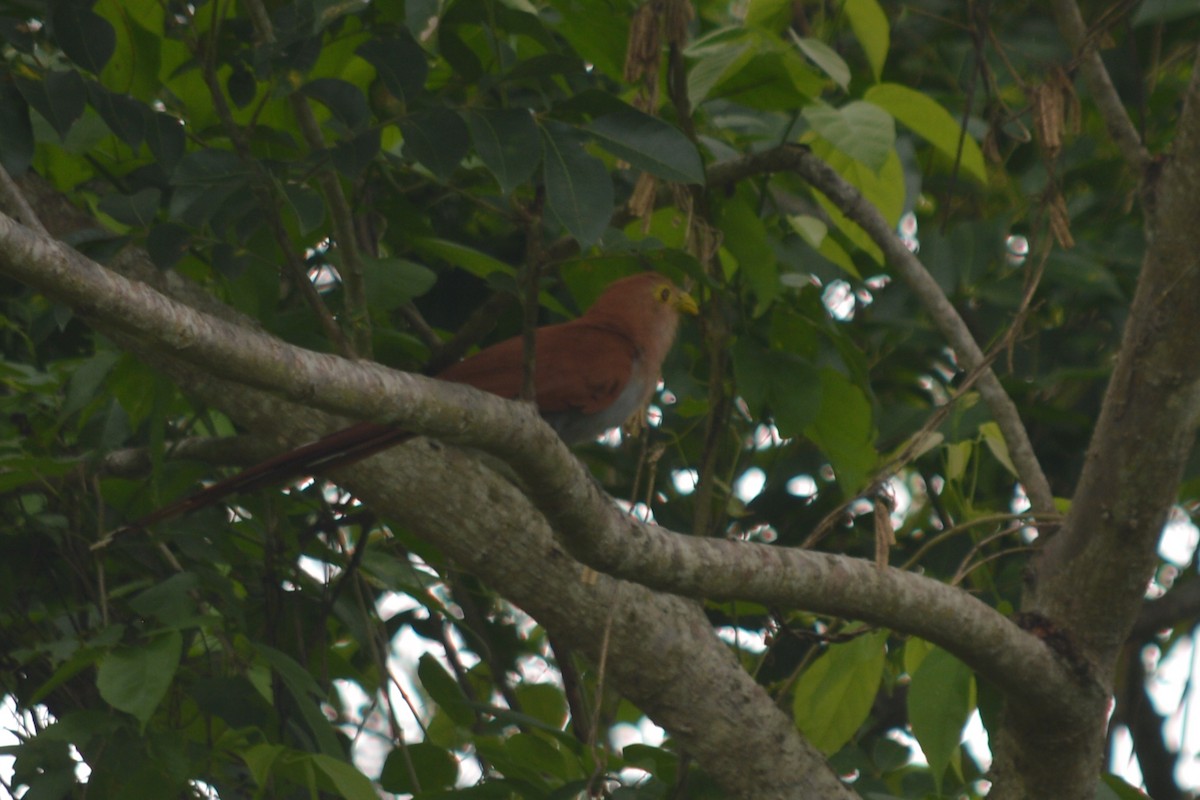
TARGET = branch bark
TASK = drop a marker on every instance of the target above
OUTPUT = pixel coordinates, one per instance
(672, 664)
(560, 486)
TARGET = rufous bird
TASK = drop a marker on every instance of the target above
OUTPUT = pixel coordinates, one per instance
(590, 374)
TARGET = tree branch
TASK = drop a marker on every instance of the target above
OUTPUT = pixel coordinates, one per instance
(947, 319)
(672, 665)
(1112, 110)
(560, 486)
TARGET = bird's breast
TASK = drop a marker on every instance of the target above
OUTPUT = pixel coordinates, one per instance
(574, 426)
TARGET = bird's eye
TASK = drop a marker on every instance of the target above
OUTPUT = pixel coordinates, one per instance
(664, 294)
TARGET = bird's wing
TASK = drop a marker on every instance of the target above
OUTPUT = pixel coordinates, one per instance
(580, 367)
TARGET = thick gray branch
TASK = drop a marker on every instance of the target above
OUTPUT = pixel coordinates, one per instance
(571, 501)
(662, 655)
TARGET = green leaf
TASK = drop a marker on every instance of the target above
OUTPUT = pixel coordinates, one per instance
(995, 441)
(306, 205)
(923, 116)
(1113, 787)
(170, 602)
(1154, 11)
(166, 139)
(871, 28)
(60, 97)
(535, 752)
(746, 238)
(166, 244)
(476, 262)
(87, 38)
(353, 156)
(861, 130)
(597, 34)
(834, 695)
(816, 233)
(649, 144)
(884, 189)
(444, 690)
(392, 282)
(126, 117)
(795, 395)
(772, 15)
(204, 181)
(345, 778)
(752, 67)
(827, 59)
(88, 382)
(344, 100)
(718, 56)
(135, 679)
(260, 759)
(400, 63)
(138, 209)
(507, 140)
(844, 431)
(438, 139)
(940, 700)
(433, 767)
(543, 701)
(306, 694)
(137, 59)
(16, 131)
(579, 191)
(781, 383)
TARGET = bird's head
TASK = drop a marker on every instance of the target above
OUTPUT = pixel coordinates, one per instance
(645, 296)
(646, 307)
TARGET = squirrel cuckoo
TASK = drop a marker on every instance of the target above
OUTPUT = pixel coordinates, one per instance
(591, 374)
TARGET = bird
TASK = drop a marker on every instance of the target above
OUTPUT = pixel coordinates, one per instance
(591, 374)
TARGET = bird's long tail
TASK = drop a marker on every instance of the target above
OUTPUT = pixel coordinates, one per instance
(329, 452)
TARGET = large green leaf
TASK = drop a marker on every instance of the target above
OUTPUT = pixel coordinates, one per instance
(746, 238)
(871, 28)
(16, 132)
(752, 67)
(437, 138)
(827, 59)
(508, 142)
(834, 695)
(474, 261)
(860, 130)
(137, 57)
(844, 430)
(135, 678)
(940, 699)
(400, 63)
(579, 191)
(204, 181)
(126, 117)
(883, 188)
(344, 100)
(923, 116)
(59, 96)
(87, 38)
(392, 282)
(421, 764)
(444, 690)
(306, 694)
(650, 144)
